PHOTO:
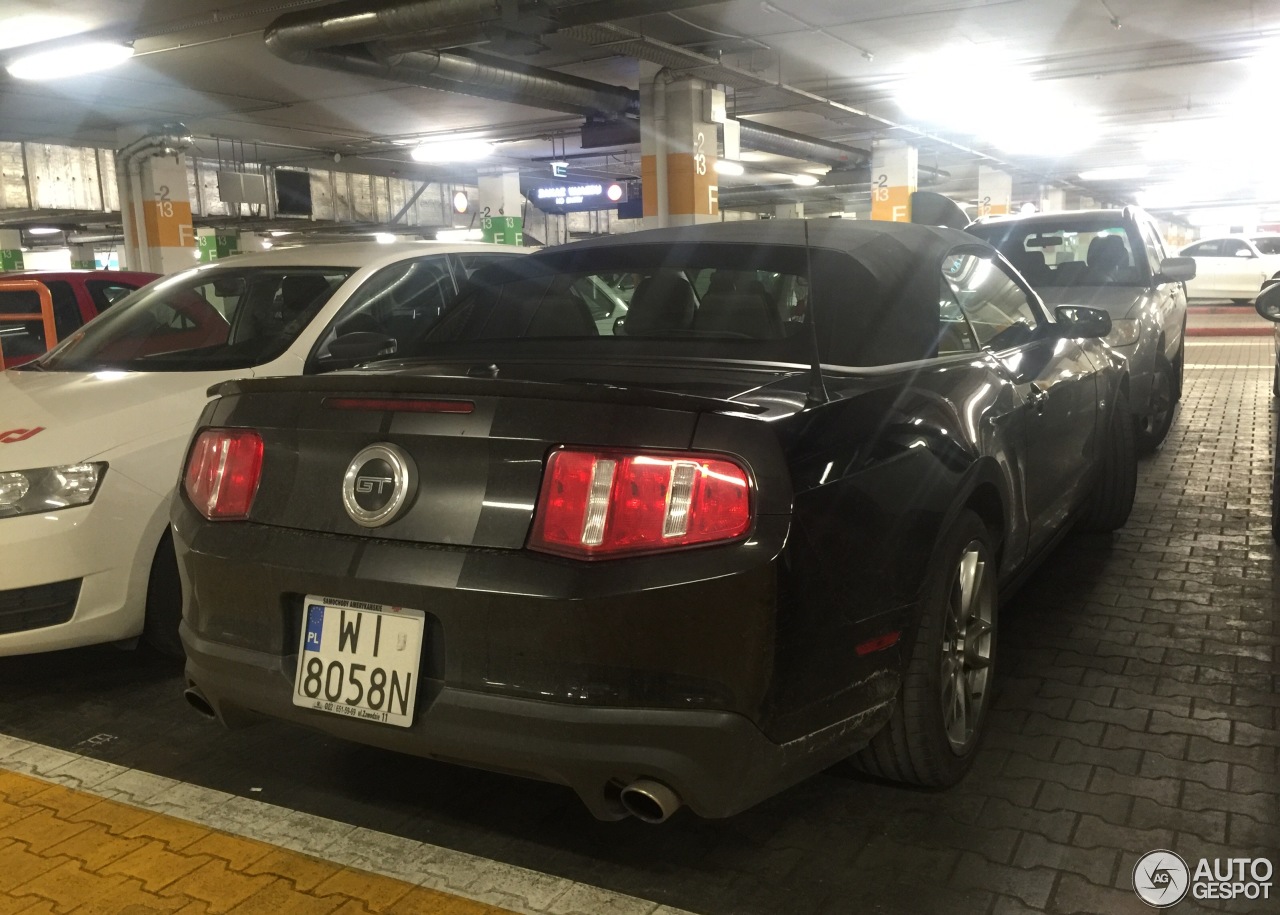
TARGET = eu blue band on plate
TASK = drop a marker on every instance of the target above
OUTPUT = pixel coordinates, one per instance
(315, 623)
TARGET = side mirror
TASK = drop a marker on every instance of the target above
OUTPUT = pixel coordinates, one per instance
(1177, 269)
(1245, 252)
(363, 345)
(1268, 302)
(620, 326)
(1079, 321)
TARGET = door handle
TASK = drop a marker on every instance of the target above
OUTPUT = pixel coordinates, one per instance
(1037, 397)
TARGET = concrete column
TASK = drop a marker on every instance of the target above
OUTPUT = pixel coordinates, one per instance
(501, 204)
(893, 181)
(10, 249)
(678, 143)
(1053, 201)
(789, 210)
(995, 192)
(83, 257)
(213, 245)
(156, 211)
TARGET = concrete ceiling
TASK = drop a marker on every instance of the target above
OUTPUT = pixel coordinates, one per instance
(1178, 87)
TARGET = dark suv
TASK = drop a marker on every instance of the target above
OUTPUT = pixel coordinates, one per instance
(1114, 260)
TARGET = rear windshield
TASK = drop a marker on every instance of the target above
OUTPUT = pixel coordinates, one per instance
(223, 318)
(744, 300)
(703, 300)
(1072, 252)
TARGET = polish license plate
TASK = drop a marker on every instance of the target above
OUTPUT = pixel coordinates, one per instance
(359, 660)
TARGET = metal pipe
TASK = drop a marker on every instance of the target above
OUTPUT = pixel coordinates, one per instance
(650, 800)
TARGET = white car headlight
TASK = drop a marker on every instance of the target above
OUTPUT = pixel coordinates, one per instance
(46, 489)
(1123, 332)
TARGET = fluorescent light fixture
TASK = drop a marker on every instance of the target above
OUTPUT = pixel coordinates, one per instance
(72, 60)
(456, 235)
(952, 90)
(1116, 173)
(37, 27)
(443, 151)
(43, 230)
(266, 244)
(729, 167)
(383, 238)
(804, 179)
(460, 202)
(280, 233)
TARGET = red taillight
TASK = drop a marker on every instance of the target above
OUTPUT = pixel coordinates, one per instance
(223, 472)
(605, 503)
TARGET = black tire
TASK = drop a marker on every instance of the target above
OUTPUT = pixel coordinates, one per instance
(1111, 499)
(164, 602)
(1153, 425)
(933, 735)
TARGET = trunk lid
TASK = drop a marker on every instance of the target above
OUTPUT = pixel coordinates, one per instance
(476, 475)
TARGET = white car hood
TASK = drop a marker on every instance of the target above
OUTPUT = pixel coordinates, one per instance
(49, 418)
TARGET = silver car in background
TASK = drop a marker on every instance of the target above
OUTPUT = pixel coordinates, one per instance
(1114, 260)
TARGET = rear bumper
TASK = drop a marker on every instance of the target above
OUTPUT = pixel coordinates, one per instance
(718, 762)
(587, 675)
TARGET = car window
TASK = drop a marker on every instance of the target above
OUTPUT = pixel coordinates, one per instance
(466, 264)
(1155, 248)
(106, 293)
(1234, 247)
(21, 335)
(1072, 250)
(402, 302)
(66, 310)
(218, 318)
(1267, 244)
(955, 335)
(1204, 249)
(996, 307)
(714, 300)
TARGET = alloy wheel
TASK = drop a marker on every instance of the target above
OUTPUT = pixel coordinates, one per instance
(967, 642)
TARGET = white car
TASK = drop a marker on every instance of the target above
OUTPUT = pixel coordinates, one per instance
(1233, 267)
(93, 434)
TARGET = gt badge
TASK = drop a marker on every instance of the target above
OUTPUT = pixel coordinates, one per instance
(379, 485)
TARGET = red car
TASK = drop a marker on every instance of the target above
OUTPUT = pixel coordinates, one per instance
(39, 308)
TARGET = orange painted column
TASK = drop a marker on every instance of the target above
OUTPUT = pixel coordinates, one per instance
(995, 192)
(893, 181)
(678, 145)
(156, 210)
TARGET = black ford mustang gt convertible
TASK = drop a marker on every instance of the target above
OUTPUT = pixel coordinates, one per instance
(680, 517)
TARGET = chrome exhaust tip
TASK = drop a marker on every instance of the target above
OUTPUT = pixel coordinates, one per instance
(650, 801)
(197, 701)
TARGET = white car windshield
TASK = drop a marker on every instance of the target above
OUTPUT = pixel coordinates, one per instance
(225, 318)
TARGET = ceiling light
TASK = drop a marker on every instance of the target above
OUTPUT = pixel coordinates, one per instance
(443, 151)
(1116, 173)
(729, 167)
(804, 179)
(72, 60)
(383, 238)
(35, 28)
(460, 202)
(43, 230)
